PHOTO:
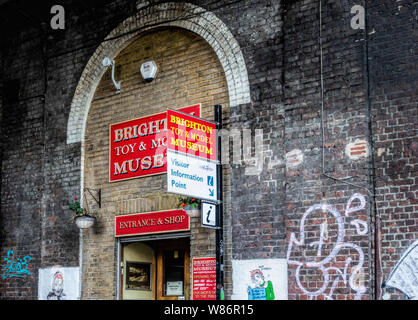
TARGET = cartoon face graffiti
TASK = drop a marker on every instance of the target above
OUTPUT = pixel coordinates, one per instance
(57, 287)
(58, 283)
(257, 278)
(260, 290)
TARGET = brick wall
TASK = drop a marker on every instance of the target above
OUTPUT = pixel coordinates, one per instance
(393, 95)
(330, 249)
(280, 49)
(40, 172)
(22, 181)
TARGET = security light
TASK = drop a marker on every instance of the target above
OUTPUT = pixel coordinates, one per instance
(108, 62)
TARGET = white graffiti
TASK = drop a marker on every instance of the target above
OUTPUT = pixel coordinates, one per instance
(331, 272)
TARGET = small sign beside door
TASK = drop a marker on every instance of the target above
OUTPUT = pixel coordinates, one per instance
(174, 288)
(204, 279)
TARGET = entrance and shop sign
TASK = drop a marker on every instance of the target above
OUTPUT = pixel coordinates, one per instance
(191, 156)
(204, 279)
(138, 147)
(151, 222)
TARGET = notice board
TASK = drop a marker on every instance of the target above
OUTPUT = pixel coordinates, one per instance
(204, 279)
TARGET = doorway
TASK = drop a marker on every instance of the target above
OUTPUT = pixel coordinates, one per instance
(155, 269)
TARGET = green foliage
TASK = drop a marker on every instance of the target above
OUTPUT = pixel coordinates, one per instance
(75, 206)
(188, 202)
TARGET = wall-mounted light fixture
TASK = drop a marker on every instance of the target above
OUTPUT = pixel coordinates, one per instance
(148, 70)
(108, 62)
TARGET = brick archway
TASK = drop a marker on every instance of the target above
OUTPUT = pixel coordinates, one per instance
(183, 15)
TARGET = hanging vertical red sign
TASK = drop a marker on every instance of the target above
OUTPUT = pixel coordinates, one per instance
(191, 135)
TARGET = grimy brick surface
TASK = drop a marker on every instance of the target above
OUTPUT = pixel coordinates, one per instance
(369, 137)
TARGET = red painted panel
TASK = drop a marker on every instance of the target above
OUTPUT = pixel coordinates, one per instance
(138, 147)
(151, 222)
(204, 279)
(191, 135)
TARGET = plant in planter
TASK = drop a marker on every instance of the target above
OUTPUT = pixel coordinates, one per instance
(82, 217)
(188, 203)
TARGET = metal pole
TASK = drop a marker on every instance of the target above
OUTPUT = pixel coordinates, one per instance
(219, 231)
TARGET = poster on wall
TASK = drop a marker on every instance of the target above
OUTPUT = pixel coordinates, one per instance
(138, 147)
(138, 275)
(59, 283)
(204, 279)
(259, 279)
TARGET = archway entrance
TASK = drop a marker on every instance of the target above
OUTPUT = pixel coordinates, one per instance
(189, 74)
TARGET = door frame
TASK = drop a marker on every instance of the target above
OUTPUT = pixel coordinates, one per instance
(123, 240)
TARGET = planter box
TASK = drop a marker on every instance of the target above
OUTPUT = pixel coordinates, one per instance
(193, 213)
(85, 222)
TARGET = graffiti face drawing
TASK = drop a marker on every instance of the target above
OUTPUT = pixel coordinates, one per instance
(57, 287)
(260, 290)
(257, 278)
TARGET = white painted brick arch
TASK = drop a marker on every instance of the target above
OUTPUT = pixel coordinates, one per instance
(183, 15)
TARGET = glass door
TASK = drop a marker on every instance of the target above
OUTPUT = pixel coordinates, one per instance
(173, 270)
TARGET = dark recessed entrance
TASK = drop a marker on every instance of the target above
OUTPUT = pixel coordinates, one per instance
(155, 269)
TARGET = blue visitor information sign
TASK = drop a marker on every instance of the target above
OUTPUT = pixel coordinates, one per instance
(191, 176)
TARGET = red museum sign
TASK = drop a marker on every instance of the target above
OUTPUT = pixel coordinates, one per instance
(138, 147)
(151, 222)
(191, 135)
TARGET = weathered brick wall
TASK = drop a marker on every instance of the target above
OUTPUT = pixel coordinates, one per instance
(258, 229)
(393, 95)
(40, 172)
(22, 148)
(329, 248)
(279, 40)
